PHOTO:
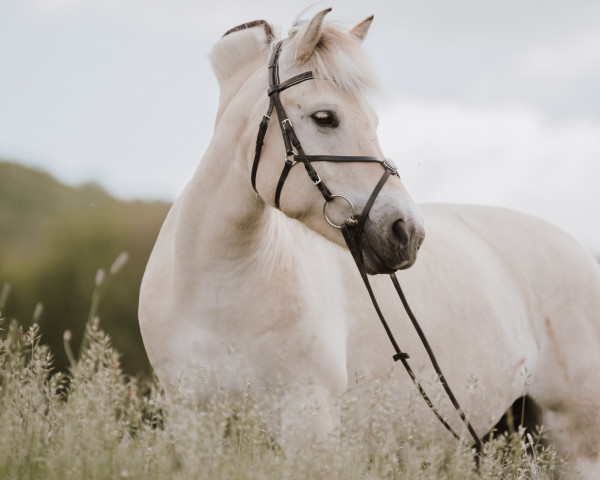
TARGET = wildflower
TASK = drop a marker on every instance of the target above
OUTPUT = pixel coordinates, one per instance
(119, 262)
(37, 313)
(100, 274)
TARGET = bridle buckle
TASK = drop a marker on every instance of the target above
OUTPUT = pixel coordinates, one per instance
(292, 155)
(389, 164)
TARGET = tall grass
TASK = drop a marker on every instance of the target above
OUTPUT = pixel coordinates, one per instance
(96, 423)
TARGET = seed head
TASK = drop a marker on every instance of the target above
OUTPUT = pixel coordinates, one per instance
(100, 274)
(37, 313)
(119, 262)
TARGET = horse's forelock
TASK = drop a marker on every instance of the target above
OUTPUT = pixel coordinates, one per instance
(338, 57)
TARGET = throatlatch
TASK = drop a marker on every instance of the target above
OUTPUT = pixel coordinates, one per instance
(353, 228)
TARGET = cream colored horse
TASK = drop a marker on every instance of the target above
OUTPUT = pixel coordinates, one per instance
(246, 291)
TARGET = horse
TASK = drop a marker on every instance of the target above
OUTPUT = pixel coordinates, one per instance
(256, 283)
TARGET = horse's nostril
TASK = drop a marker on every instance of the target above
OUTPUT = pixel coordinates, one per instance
(401, 232)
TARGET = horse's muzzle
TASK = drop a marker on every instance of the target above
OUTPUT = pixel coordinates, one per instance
(388, 246)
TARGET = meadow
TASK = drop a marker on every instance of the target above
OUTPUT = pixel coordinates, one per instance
(96, 422)
(79, 403)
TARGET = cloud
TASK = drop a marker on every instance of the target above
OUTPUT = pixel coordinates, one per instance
(513, 157)
(183, 16)
(566, 63)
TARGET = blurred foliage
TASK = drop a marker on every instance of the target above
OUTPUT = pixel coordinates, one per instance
(54, 239)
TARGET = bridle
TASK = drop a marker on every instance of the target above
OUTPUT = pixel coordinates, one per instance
(295, 153)
(353, 227)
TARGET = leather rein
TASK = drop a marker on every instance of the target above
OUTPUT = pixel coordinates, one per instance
(352, 228)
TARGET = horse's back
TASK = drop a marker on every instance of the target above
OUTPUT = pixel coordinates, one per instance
(557, 283)
(548, 267)
(527, 245)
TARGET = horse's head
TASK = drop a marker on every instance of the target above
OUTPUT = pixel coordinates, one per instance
(328, 124)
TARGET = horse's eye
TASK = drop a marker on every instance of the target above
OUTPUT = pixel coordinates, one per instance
(325, 119)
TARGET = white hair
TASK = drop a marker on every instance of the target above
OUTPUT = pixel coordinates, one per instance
(338, 57)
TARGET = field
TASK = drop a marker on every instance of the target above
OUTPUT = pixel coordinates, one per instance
(95, 422)
(85, 407)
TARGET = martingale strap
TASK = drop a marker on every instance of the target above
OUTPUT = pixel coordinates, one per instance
(353, 228)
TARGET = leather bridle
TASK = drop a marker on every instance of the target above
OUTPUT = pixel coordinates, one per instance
(353, 227)
(295, 153)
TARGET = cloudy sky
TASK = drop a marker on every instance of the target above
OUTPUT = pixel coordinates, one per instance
(482, 101)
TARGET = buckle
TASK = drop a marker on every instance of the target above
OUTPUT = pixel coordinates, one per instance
(389, 164)
(401, 356)
(293, 155)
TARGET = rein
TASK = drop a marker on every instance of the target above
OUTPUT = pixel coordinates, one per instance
(352, 228)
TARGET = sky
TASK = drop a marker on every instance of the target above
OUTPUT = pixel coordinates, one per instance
(485, 102)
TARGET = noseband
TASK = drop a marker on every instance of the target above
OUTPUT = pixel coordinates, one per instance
(353, 227)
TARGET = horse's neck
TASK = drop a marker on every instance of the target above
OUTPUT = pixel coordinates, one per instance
(223, 234)
(222, 228)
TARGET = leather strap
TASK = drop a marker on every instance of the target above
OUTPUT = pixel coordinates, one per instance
(290, 82)
(365, 213)
(352, 233)
(287, 166)
(290, 140)
(352, 236)
(342, 158)
(262, 130)
(399, 355)
(434, 362)
(312, 173)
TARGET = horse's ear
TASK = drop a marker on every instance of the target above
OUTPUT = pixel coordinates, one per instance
(309, 36)
(360, 31)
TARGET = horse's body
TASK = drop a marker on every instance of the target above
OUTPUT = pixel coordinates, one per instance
(238, 288)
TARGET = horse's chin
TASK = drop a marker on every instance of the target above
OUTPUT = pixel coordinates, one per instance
(376, 265)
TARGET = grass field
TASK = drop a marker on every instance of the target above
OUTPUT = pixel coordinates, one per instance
(96, 423)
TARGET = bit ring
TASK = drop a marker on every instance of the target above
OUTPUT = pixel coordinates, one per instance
(351, 218)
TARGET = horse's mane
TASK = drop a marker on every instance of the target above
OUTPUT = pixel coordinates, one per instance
(256, 23)
(338, 58)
